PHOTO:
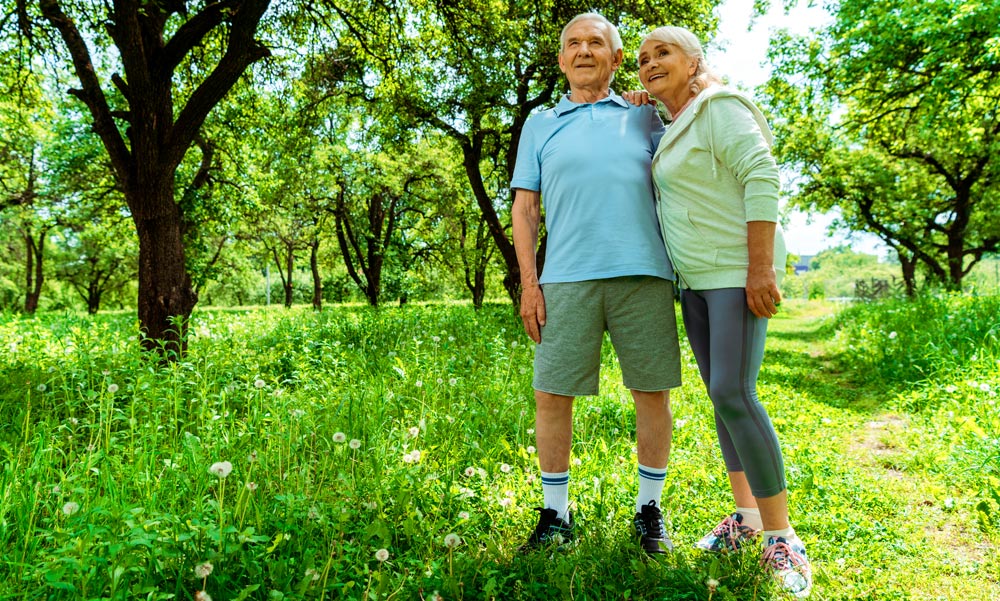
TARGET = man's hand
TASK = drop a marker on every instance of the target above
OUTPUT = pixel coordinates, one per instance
(533, 311)
(763, 296)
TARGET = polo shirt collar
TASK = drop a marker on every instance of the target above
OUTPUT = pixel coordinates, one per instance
(568, 106)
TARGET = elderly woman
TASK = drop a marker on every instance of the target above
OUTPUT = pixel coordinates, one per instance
(717, 199)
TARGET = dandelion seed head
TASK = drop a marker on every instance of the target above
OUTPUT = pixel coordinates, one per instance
(70, 508)
(452, 540)
(414, 431)
(892, 335)
(221, 469)
(418, 383)
(203, 570)
(506, 502)
(339, 437)
(577, 461)
(258, 383)
(712, 584)
(313, 574)
(251, 486)
(463, 515)
(202, 596)
(530, 449)
(354, 444)
(41, 388)
(112, 388)
(469, 472)
(505, 468)
(452, 381)
(382, 554)
(440, 380)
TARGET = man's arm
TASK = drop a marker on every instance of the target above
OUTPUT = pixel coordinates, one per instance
(525, 218)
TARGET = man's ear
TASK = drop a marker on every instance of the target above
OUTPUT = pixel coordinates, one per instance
(619, 57)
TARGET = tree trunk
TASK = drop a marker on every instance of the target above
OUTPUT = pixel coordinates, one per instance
(35, 276)
(93, 298)
(317, 282)
(374, 276)
(289, 281)
(166, 296)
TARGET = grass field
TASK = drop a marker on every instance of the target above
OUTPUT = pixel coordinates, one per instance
(389, 454)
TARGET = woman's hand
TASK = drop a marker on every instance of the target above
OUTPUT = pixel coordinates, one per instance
(638, 97)
(763, 296)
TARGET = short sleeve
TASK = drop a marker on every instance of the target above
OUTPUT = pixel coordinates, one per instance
(528, 165)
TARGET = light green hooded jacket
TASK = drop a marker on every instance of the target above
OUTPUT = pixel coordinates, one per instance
(713, 172)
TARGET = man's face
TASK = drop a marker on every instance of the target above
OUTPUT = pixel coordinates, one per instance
(587, 58)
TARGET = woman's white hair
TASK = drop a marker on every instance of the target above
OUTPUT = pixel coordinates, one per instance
(613, 36)
(690, 46)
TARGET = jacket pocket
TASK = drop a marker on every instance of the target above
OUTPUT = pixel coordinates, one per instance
(689, 249)
(737, 255)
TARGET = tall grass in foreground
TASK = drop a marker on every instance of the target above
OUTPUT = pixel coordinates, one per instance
(371, 454)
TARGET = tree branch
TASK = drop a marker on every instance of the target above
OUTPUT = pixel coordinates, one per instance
(91, 94)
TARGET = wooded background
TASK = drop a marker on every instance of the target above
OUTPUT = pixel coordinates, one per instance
(161, 153)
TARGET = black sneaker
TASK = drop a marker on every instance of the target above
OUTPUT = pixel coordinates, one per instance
(549, 531)
(650, 530)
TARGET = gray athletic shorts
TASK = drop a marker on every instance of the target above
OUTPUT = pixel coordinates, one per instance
(638, 314)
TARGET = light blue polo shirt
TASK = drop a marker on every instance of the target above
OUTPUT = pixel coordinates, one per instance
(591, 163)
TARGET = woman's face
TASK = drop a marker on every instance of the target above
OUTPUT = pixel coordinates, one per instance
(665, 71)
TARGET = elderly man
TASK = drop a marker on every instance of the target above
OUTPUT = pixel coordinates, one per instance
(606, 269)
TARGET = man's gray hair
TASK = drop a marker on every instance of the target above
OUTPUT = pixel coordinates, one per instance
(613, 36)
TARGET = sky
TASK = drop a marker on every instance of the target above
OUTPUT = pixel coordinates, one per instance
(742, 55)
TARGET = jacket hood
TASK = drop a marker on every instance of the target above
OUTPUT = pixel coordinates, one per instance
(702, 102)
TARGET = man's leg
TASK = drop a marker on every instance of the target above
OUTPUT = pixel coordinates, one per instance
(653, 433)
(554, 435)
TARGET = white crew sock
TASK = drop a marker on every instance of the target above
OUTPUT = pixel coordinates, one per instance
(555, 488)
(651, 481)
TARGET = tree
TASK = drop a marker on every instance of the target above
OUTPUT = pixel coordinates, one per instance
(380, 196)
(25, 115)
(153, 40)
(475, 71)
(892, 115)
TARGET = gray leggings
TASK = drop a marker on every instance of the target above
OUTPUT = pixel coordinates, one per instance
(728, 343)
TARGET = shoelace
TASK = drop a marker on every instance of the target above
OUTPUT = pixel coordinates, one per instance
(729, 527)
(781, 556)
(654, 525)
